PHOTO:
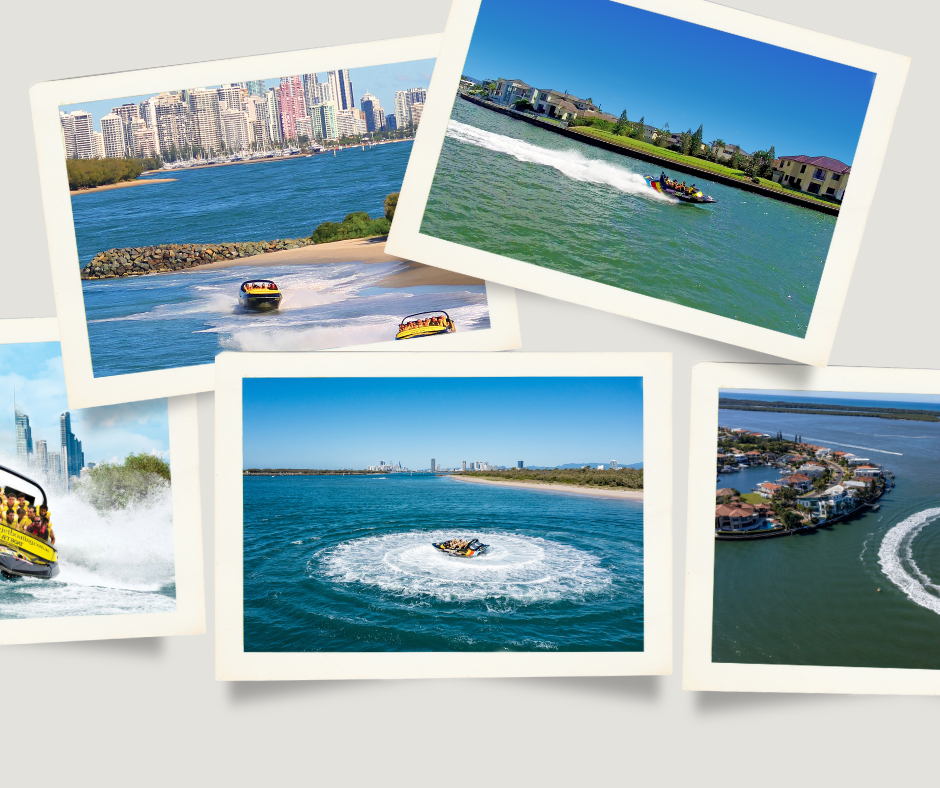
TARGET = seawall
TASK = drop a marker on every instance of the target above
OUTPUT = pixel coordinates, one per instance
(623, 150)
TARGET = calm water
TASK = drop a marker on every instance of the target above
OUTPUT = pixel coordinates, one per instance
(173, 320)
(814, 599)
(346, 564)
(511, 188)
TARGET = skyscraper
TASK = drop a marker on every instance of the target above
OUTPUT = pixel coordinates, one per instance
(232, 96)
(41, 458)
(416, 110)
(174, 133)
(54, 466)
(98, 138)
(324, 121)
(112, 129)
(274, 115)
(375, 116)
(78, 134)
(235, 131)
(255, 87)
(433, 465)
(128, 113)
(291, 105)
(403, 101)
(613, 465)
(391, 122)
(206, 115)
(341, 88)
(464, 465)
(520, 464)
(24, 436)
(73, 460)
(259, 123)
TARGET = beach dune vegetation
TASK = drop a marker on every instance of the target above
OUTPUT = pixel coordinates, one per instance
(627, 478)
(357, 225)
(89, 173)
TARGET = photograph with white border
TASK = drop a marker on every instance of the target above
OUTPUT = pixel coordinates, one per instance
(549, 171)
(264, 191)
(416, 541)
(820, 573)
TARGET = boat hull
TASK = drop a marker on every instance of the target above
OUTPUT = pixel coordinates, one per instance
(424, 331)
(697, 198)
(260, 303)
(13, 564)
(457, 553)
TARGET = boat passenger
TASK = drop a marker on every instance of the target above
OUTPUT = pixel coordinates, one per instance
(9, 519)
(46, 522)
(663, 180)
(272, 286)
(39, 529)
(25, 520)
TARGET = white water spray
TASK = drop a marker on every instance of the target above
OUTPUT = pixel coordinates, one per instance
(897, 560)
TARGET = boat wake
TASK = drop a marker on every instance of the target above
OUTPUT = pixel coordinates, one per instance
(520, 568)
(568, 162)
(897, 560)
(863, 448)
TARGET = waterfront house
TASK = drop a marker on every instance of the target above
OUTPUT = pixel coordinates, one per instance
(857, 484)
(752, 456)
(867, 470)
(799, 481)
(508, 91)
(822, 452)
(768, 489)
(853, 460)
(831, 502)
(818, 175)
(813, 470)
(724, 492)
(736, 517)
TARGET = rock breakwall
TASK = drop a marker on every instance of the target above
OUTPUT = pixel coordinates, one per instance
(143, 260)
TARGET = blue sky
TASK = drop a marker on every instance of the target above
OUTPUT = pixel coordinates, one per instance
(742, 91)
(861, 397)
(333, 423)
(380, 81)
(107, 433)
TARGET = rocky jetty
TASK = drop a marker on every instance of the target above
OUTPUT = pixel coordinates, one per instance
(142, 260)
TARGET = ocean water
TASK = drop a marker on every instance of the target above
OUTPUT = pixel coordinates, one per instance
(110, 563)
(511, 188)
(345, 563)
(140, 324)
(864, 593)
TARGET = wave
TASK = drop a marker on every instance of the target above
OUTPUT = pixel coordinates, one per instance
(896, 559)
(520, 568)
(863, 448)
(570, 163)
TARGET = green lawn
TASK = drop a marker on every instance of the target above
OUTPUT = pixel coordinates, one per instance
(753, 498)
(691, 161)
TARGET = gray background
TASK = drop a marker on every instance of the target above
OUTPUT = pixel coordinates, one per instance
(150, 710)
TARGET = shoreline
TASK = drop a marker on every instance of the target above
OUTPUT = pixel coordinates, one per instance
(661, 161)
(570, 489)
(120, 185)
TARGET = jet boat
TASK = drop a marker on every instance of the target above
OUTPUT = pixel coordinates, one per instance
(461, 548)
(259, 294)
(695, 197)
(22, 554)
(425, 324)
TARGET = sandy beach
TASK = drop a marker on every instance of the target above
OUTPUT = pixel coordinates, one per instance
(571, 489)
(121, 185)
(357, 250)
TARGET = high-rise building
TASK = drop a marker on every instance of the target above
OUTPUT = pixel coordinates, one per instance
(291, 106)
(416, 110)
(41, 458)
(404, 99)
(206, 113)
(433, 465)
(259, 124)
(464, 466)
(112, 130)
(173, 124)
(520, 464)
(304, 129)
(148, 111)
(73, 460)
(78, 134)
(54, 466)
(374, 114)
(98, 139)
(341, 89)
(232, 96)
(391, 122)
(324, 121)
(315, 91)
(350, 122)
(24, 436)
(235, 131)
(128, 113)
(255, 87)
(144, 139)
(613, 465)
(274, 115)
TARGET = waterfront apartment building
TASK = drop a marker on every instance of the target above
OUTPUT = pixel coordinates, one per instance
(404, 99)
(24, 436)
(315, 91)
(291, 106)
(77, 134)
(128, 113)
(464, 466)
(112, 130)
(98, 139)
(173, 123)
(520, 464)
(232, 97)
(613, 465)
(255, 87)
(433, 465)
(206, 113)
(341, 89)
(391, 122)
(324, 121)
(350, 122)
(274, 115)
(417, 110)
(259, 123)
(374, 114)
(235, 130)
(818, 175)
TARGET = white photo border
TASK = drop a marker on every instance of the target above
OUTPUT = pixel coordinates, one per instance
(189, 618)
(406, 240)
(699, 672)
(232, 663)
(84, 389)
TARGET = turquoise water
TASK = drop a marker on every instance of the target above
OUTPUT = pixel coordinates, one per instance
(345, 563)
(508, 187)
(864, 593)
(140, 324)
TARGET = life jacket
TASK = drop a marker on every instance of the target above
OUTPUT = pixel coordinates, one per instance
(42, 531)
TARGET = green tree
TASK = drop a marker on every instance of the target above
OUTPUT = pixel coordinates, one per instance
(148, 463)
(622, 124)
(391, 203)
(685, 142)
(136, 481)
(639, 129)
(697, 139)
(663, 137)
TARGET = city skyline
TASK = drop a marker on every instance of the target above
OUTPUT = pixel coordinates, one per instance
(107, 434)
(742, 102)
(381, 81)
(335, 423)
(801, 394)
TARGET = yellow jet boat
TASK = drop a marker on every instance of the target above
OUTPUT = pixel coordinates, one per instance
(259, 294)
(462, 548)
(23, 554)
(425, 324)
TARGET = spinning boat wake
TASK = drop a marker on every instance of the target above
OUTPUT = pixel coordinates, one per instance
(897, 560)
(521, 568)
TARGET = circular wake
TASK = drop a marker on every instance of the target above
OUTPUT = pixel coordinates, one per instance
(897, 561)
(521, 568)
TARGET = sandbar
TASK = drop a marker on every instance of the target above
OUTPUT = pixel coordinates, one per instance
(597, 492)
(121, 185)
(356, 250)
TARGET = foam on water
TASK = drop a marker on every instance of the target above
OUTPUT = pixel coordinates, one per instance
(896, 558)
(568, 162)
(863, 448)
(520, 568)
